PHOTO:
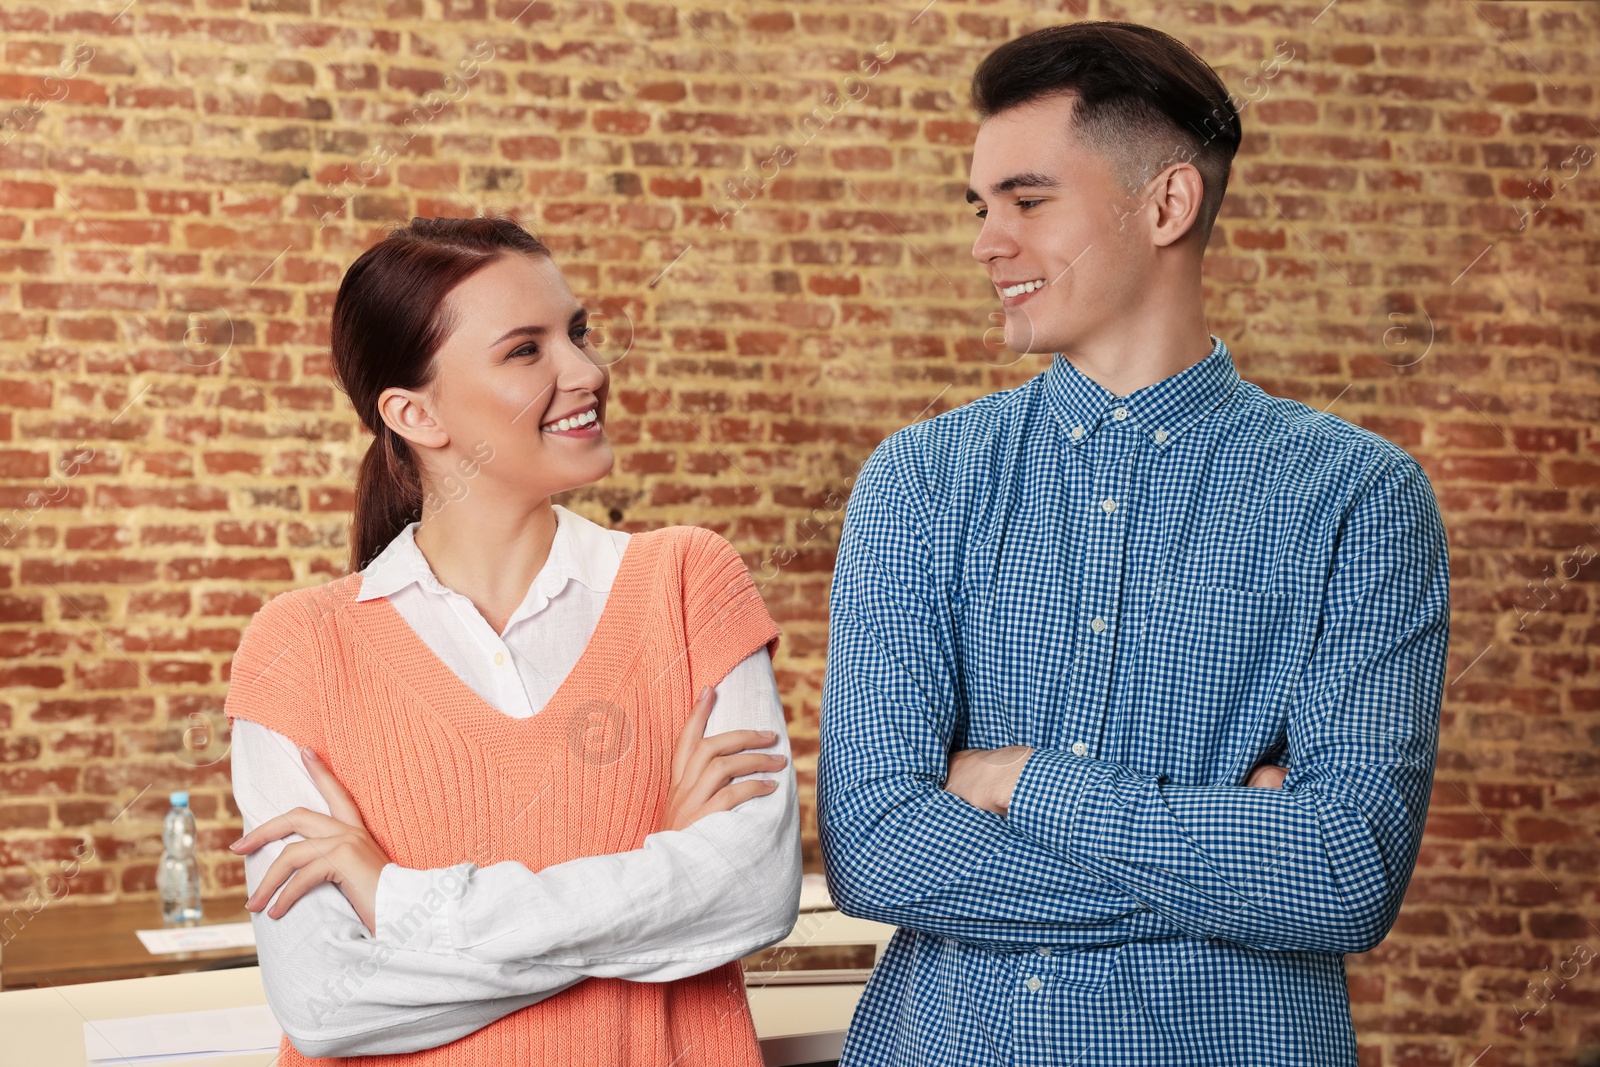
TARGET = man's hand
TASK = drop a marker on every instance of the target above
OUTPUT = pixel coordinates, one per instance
(986, 777)
(1267, 776)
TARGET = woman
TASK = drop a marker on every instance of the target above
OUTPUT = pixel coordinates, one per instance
(542, 845)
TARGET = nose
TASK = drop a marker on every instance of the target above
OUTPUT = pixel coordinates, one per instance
(577, 372)
(993, 241)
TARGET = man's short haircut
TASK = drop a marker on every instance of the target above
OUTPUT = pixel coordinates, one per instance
(1144, 100)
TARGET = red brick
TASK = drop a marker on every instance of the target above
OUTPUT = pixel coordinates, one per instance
(790, 338)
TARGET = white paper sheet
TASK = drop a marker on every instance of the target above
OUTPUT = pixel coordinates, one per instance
(814, 893)
(195, 938)
(153, 1038)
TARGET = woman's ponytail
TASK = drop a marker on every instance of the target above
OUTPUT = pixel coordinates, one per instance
(389, 496)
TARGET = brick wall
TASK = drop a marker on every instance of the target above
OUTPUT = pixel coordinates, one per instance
(765, 201)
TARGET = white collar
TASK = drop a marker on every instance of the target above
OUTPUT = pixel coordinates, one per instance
(583, 551)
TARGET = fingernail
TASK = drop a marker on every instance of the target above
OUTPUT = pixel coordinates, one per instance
(305, 750)
(768, 733)
(236, 844)
(705, 692)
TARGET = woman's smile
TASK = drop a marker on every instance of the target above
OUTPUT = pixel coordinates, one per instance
(583, 423)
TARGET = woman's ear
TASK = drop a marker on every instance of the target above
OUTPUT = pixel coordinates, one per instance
(409, 413)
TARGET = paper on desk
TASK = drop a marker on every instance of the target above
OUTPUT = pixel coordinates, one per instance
(814, 893)
(153, 1038)
(195, 938)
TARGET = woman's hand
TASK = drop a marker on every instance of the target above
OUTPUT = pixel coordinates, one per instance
(337, 849)
(703, 768)
(1267, 776)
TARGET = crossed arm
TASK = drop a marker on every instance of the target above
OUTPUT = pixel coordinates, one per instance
(1089, 852)
(458, 948)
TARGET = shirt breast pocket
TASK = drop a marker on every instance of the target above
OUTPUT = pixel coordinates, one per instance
(1217, 671)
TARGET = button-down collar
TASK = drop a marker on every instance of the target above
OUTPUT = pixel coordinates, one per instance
(580, 551)
(1161, 411)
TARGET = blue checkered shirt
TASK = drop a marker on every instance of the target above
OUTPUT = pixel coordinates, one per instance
(1156, 592)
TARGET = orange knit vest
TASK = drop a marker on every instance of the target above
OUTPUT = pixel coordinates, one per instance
(441, 776)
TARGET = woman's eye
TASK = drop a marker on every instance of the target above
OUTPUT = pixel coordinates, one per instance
(581, 335)
(526, 350)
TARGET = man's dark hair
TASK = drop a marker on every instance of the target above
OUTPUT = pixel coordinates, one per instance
(1144, 100)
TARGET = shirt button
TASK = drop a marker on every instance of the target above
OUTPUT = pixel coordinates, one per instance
(1033, 985)
(1077, 432)
(1120, 414)
(1097, 624)
(1080, 749)
(499, 659)
(1160, 436)
(1108, 505)
(1043, 951)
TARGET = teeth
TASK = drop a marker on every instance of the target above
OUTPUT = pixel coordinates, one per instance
(581, 419)
(1025, 287)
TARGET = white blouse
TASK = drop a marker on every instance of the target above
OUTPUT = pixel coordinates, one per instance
(477, 944)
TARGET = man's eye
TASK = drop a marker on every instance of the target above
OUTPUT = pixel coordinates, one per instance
(984, 212)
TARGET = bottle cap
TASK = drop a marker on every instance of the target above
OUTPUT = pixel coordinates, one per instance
(180, 799)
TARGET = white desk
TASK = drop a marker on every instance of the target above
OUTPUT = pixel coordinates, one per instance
(44, 1027)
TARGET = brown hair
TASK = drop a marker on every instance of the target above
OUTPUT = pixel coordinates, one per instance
(388, 322)
(1143, 99)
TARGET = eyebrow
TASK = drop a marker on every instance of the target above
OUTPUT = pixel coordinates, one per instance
(1025, 180)
(538, 331)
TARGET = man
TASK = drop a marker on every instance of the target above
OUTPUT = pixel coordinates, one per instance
(1071, 621)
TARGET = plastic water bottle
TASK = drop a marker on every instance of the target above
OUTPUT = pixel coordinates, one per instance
(178, 877)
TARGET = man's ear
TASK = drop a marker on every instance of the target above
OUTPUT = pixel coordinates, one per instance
(1177, 194)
